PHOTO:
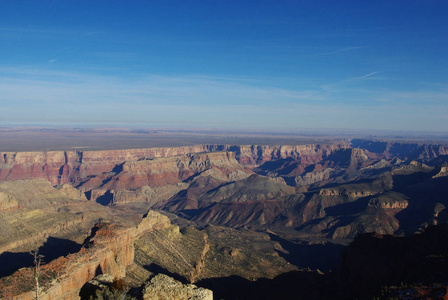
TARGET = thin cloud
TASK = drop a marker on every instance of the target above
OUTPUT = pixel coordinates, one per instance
(339, 50)
(14, 31)
(368, 75)
(52, 86)
(54, 96)
(86, 34)
(28, 30)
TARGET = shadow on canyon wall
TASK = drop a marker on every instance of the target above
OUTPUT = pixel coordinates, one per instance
(156, 269)
(318, 256)
(105, 199)
(291, 285)
(51, 249)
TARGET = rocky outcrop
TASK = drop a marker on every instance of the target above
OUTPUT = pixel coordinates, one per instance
(212, 252)
(358, 190)
(70, 191)
(159, 287)
(147, 194)
(255, 200)
(151, 221)
(313, 177)
(252, 189)
(8, 202)
(388, 203)
(163, 287)
(410, 151)
(346, 192)
(109, 250)
(442, 173)
(256, 155)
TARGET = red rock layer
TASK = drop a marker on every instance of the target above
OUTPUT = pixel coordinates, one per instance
(65, 166)
(69, 166)
(109, 251)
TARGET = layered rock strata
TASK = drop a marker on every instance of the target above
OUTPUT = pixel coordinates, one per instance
(31, 210)
(65, 166)
(157, 179)
(69, 166)
(109, 250)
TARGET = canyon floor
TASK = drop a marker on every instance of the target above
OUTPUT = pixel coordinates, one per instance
(278, 216)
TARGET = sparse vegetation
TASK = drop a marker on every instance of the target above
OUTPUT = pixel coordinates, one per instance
(37, 263)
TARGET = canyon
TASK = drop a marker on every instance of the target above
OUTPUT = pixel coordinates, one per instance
(214, 215)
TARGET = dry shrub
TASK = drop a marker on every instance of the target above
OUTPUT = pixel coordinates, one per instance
(119, 285)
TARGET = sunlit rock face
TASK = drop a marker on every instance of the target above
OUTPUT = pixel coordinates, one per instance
(108, 250)
(68, 166)
(163, 287)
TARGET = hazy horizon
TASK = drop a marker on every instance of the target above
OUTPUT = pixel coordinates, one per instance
(18, 139)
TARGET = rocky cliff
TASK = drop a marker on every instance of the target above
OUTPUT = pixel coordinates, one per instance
(159, 287)
(65, 166)
(157, 179)
(298, 194)
(70, 166)
(109, 250)
(255, 155)
(410, 151)
(31, 210)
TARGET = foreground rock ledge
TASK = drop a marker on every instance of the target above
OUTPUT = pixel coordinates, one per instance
(163, 287)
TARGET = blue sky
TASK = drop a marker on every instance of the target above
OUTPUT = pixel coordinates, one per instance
(268, 65)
